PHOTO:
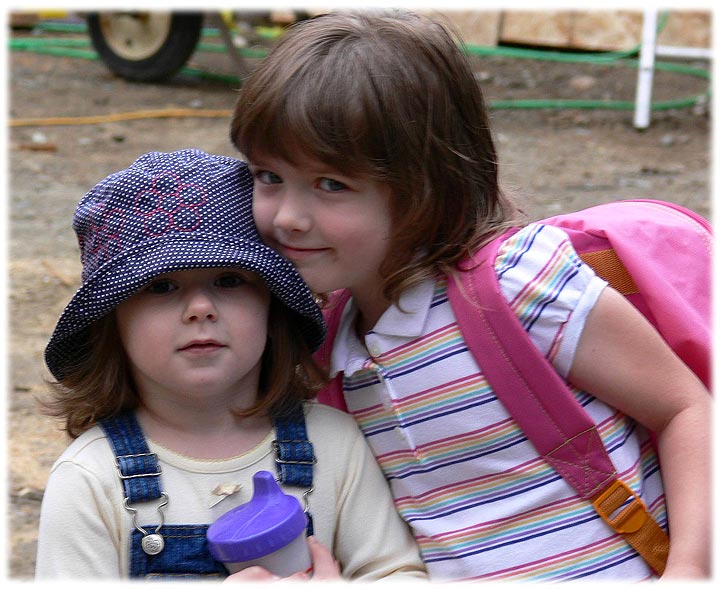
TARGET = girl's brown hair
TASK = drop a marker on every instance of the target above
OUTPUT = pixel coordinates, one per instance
(101, 385)
(391, 96)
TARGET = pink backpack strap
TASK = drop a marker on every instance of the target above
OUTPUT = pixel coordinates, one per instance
(332, 394)
(551, 418)
(543, 405)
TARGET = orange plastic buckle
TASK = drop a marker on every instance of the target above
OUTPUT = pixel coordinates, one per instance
(608, 504)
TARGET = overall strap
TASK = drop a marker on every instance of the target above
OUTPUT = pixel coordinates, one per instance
(180, 551)
(137, 467)
(139, 471)
(294, 456)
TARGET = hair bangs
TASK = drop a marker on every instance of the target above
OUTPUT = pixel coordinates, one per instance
(315, 113)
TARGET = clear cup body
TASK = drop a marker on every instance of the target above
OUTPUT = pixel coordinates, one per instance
(292, 558)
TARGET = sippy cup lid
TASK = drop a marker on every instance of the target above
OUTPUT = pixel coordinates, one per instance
(266, 523)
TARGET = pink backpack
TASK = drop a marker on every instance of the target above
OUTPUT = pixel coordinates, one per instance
(655, 253)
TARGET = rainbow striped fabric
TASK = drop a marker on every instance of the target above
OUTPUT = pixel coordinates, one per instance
(481, 502)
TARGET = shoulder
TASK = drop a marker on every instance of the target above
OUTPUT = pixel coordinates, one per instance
(89, 451)
(344, 459)
(534, 244)
(549, 289)
(539, 258)
(334, 434)
(84, 474)
(328, 420)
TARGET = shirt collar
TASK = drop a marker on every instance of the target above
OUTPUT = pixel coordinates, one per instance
(405, 319)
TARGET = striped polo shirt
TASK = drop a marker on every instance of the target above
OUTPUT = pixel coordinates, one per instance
(481, 502)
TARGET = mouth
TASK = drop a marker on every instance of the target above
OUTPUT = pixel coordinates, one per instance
(300, 253)
(202, 347)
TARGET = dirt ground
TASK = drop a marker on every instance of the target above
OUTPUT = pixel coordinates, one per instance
(551, 161)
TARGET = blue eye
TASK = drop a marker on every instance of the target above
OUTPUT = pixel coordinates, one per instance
(266, 177)
(330, 185)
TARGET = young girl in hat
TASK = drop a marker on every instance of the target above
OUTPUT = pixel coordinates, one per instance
(375, 172)
(183, 366)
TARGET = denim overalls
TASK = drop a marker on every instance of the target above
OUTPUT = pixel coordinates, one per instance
(180, 551)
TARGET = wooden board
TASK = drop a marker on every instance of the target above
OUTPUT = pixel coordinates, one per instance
(601, 30)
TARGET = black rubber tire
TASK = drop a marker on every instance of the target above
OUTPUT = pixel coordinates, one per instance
(145, 46)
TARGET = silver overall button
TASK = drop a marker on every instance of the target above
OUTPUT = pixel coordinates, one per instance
(152, 544)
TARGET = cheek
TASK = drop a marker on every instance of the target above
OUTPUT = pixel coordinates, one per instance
(263, 214)
(141, 333)
(248, 316)
(251, 324)
(361, 232)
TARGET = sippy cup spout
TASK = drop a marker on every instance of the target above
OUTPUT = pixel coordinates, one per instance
(266, 488)
(269, 522)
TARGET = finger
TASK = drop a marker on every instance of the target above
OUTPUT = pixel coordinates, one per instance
(255, 573)
(301, 576)
(324, 565)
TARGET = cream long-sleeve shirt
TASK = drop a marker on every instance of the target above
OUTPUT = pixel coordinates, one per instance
(84, 529)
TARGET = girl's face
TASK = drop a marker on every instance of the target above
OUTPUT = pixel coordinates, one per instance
(335, 229)
(196, 335)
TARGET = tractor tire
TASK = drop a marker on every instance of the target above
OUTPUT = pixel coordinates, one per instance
(144, 46)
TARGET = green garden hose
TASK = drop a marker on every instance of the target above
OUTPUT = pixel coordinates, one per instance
(81, 48)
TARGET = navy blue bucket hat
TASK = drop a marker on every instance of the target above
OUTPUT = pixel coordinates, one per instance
(169, 212)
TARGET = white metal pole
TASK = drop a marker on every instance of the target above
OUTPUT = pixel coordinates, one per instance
(643, 95)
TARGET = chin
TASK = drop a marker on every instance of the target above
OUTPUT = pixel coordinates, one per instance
(323, 287)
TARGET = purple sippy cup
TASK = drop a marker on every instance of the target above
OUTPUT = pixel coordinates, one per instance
(267, 531)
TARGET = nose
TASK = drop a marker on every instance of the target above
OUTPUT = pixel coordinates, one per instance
(292, 213)
(199, 306)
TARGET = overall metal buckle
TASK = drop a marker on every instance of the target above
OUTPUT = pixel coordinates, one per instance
(154, 543)
(276, 448)
(125, 477)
